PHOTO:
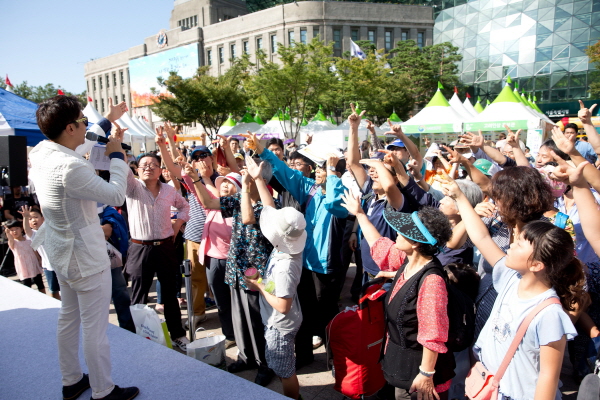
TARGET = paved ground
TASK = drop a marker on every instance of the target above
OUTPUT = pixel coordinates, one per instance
(316, 382)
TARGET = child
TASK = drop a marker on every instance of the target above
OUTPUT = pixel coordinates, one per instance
(27, 262)
(279, 305)
(32, 220)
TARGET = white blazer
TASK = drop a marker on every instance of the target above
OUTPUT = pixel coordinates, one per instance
(68, 190)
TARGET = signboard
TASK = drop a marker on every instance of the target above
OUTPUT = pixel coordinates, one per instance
(496, 125)
(144, 71)
(535, 139)
(431, 128)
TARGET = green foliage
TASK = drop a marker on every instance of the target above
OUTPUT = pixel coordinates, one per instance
(300, 81)
(38, 94)
(594, 53)
(426, 66)
(204, 98)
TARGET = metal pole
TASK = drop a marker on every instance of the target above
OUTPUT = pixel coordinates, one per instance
(187, 273)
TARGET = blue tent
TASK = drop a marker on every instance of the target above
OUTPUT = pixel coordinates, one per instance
(19, 114)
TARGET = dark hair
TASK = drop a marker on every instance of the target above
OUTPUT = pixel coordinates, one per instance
(438, 225)
(36, 209)
(572, 126)
(365, 145)
(339, 167)
(553, 247)
(234, 139)
(464, 277)
(296, 155)
(552, 146)
(54, 114)
(521, 194)
(153, 155)
(13, 223)
(275, 141)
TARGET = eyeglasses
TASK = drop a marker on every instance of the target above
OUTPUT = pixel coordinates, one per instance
(298, 165)
(199, 156)
(148, 166)
(83, 120)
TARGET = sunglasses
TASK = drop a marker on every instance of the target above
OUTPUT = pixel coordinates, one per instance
(83, 120)
(199, 156)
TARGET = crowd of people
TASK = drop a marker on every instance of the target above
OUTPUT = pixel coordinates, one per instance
(271, 234)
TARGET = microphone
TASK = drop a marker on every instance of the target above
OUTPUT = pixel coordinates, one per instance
(101, 139)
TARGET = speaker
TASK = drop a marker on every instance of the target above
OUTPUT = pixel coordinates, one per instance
(13, 159)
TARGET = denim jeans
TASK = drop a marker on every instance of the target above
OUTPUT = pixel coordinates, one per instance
(121, 300)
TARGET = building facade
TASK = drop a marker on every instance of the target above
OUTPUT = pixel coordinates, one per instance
(224, 30)
(540, 44)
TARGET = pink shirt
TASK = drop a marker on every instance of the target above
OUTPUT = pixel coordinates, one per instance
(27, 262)
(216, 235)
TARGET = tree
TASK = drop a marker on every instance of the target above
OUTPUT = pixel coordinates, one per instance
(298, 84)
(425, 66)
(594, 53)
(38, 94)
(203, 98)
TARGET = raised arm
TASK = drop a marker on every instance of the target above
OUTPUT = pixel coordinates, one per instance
(352, 204)
(161, 142)
(224, 145)
(386, 180)
(11, 239)
(25, 212)
(171, 132)
(202, 195)
(513, 140)
(412, 148)
(591, 174)
(476, 175)
(353, 148)
(255, 172)
(375, 142)
(478, 232)
(585, 115)
(248, 217)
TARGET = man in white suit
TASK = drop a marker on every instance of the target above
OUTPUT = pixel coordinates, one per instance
(68, 190)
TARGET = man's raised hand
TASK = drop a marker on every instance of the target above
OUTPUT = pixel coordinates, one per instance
(115, 112)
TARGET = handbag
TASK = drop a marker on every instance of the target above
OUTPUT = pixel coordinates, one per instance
(209, 349)
(481, 384)
(149, 325)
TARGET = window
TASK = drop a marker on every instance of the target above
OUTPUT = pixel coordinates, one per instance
(88, 85)
(128, 77)
(102, 100)
(273, 44)
(337, 39)
(94, 85)
(221, 55)
(96, 104)
(372, 37)
(232, 49)
(195, 20)
(246, 47)
(100, 83)
(123, 97)
(354, 35)
(116, 100)
(114, 79)
(420, 39)
(209, 57)
(179, 23)
(122, 77)
(303, 36)
(291, 38)
(404, 35)
(259, 44)
(107, 81)
(389, 40)
(316, 32)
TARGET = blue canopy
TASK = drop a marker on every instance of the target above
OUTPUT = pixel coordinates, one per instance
(20, 115)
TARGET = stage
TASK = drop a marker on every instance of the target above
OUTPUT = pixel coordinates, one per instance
(29, 358)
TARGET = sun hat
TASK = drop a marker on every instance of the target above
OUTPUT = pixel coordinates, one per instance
(232, 177)
(409, 226)
(395, 143)
(284, 228)
(483, 165)
(201, 149)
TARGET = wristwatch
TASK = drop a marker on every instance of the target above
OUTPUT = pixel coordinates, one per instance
(331, 168)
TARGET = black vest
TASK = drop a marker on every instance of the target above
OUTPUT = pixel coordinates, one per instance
(404, 354)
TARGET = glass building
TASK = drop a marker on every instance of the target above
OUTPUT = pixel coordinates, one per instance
(540, 44)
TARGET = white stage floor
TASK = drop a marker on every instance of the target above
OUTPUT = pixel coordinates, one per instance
(29, 358)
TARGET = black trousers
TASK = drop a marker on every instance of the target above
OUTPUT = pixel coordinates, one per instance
(142, 263)
(248, 326)
(215, 273)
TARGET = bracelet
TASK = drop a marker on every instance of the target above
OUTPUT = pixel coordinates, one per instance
(425, 373)
(199, 179)
(354, 231)
(246, 191)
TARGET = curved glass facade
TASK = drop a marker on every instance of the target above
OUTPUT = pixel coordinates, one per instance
(540, 44)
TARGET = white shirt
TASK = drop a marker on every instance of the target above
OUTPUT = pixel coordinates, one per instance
(68, 190)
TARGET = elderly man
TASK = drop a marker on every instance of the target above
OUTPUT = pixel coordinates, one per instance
(584, 148)
(68, 190)
(152, 249)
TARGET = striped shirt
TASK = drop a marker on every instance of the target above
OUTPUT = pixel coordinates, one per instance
(195, 226)
(150, 217)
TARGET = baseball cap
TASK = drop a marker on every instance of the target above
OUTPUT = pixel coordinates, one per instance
(483, 165)
(201, 149)
(238, 156)
(395, 143)
(232, 177)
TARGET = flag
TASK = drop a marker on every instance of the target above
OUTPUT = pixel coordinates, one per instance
(468, 95)
(455, 90)
(355, 51)
(508, 80)
(89, 99)
(7, 81)
(60, 92)
(440, 86)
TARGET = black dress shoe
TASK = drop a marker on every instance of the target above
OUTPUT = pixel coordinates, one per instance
(122, 393)
(264, 376)
(240, 366)
(74, 391)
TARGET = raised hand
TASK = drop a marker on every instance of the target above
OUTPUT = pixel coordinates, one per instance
(389, 158)
(252, 139)
(561, 141)
(332, 161)
(426, 141)
(370, 126)
(118, 132)
(449, 186)
(412, 167)
(585, 114)
(190, 171)
(170, 130)
(454, 157)
(246, 177)
(485, 209)
(224, 141)
(512, 138)
(472, 140)
(25, 212)
(566, 173)
(397, 129)
(254, 170)
(159, 139)
(115, 112)
(351, 203)
(354, 119)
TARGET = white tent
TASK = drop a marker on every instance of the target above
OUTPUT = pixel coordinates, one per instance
(394, 119)
(91, 113)
(337, 138)
(437, 117)
(144, 125)
(363, 125)
(469, 107)
(241, 128)
(277, 129)
(459, 107)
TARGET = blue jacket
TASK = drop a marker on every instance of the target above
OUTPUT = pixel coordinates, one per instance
(325, 216)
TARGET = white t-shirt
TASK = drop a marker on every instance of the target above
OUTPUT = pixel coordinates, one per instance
(45, 262)
(520, 379)
(281, 279)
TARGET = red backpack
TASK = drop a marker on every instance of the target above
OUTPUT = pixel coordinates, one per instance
(355, 337)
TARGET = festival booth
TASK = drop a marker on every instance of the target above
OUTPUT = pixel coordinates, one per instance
(478, 107)
(459, 107)
(469, 107)
(508, 110)
(247, 123)
(394, 119)
(277, 127)
(17, 118)
(437, 118)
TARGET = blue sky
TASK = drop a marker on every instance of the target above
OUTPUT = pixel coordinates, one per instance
(49, 41)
